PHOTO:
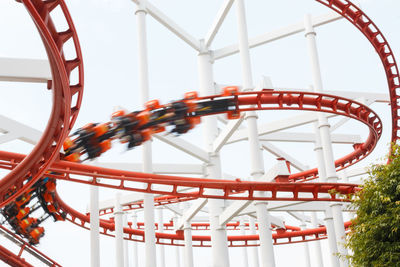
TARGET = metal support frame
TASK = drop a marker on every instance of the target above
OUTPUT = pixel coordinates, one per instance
(94, 227)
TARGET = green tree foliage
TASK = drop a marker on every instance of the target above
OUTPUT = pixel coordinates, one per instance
(375, 235)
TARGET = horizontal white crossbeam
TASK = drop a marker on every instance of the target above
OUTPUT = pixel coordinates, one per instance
(276, 35)
(24, 70)
(309, 138)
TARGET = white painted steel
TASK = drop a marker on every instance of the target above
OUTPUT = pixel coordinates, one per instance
(161, 248)
(24, 70)
(222, 13)
(276, 35)
(245, 258)
(125, 242)
(118, 220)
(189, 213)
(326, 142)
(219, 245)
(257, 164)
(135, 256)
(316, 245)
(150, 246)
(94, 227)
(253, 259)
(306, 249)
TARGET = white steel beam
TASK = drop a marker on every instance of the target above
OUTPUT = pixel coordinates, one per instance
(233, 210)
(191, 212)
(158, 168)
(170, 24)
(276, 35)
(24, 70)
(275, 126)
(300, 137)
(12, 128)
(184, 146)
(226, 6)
(226, 133)
(279, 153)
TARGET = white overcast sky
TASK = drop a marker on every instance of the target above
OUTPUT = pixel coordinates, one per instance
(107, 33)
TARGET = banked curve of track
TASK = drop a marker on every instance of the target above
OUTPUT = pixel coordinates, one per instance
(64, 112)
(343, 7)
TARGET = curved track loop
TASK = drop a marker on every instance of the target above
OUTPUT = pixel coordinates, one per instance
(362, 22)
(172, 185)
(61, 121)
(64, 113)
(291, 235)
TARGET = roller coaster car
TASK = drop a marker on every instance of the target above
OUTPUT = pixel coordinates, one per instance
(23, 213)
(157, 115)
(26, 225)
(138, 137)
(231, 91)
(35, 235)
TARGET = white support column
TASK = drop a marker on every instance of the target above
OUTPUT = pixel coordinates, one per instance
(316, 244)
(307, 262)
(161, 249)
(177, 248)
(118, 220)
(219, 244)
(188, 255)
(245, 258)
(150, 242)
(135, 256)
(254, 261)
(94, 227)
(330, 230)
(324, 126)
(257, 164)
(126, 244)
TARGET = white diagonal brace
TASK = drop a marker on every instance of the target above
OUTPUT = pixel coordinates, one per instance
(24, 70)
(21, 131)
(8, 137)
(226, 133)
(233, 210)
(184, 146)
(310, 137)
(276, 35)
(281, 154)
(226, 6)
(170, 24)
(191, 212)
(280, 125)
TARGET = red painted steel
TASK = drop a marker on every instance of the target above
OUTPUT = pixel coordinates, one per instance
(11, 259)
(28, 246)
(64, 113)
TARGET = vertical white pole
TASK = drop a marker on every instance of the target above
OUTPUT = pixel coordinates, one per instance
(94, 227)
(307, 262)
(188, 255)
(177, 248)
(219, 244)
(135, 258)
(160, 230)
(253, 250)
(126, 250)
(257, 164)
(316, 244)
(119, 246)
(245, 258)
(325, 134)
(150, 243)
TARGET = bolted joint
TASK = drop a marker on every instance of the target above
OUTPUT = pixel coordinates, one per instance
(141, 8)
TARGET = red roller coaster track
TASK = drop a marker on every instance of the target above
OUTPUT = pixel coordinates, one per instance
(44, 156)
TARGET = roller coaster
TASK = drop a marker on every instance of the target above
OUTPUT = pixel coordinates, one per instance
(60, 154)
